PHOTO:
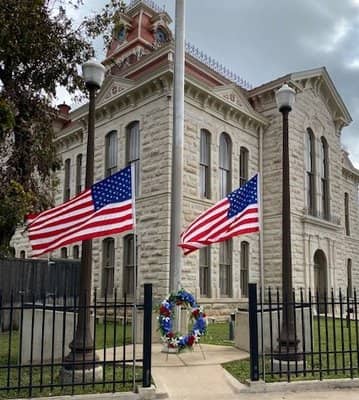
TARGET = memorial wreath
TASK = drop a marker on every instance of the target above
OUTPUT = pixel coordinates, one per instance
(166, 316)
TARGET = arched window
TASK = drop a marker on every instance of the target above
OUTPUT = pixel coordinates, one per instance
(347, 215)
(110, 153)
(225, 268)
(76, 252)
(129, 265)
(205, 164)
(204, 271)
(244, 268)
(225, 164)
(133, 150)
(324, 178)
(108, 266)
(78, 173)
(67, 179)
(349, 278)
(63, 252)
(22, 254)
(243, 165)
(310, 171)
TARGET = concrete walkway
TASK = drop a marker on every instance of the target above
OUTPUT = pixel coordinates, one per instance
(198, 375)
(194, 375)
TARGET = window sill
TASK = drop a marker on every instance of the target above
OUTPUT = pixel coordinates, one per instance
(310, 219)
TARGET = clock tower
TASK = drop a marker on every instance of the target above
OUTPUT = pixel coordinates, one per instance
(140, 28)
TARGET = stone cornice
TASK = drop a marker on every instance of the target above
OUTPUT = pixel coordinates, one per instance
(350, 174)
(69, 139)
(209, 100)
(320, 82)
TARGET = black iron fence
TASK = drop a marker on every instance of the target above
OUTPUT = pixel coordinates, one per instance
(318, 333)
(34, 350)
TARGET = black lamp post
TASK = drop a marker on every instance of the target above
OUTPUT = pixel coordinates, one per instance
(82, 346)
(288, 342)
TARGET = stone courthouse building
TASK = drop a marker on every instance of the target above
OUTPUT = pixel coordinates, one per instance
(231, 132)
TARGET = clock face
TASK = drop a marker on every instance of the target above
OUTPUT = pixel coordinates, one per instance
(160, 36)
(121, 34)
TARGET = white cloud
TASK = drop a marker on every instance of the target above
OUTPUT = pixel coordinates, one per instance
(354, 64)
(341, 30)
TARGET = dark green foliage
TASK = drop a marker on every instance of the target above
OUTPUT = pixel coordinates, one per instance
(40, 49)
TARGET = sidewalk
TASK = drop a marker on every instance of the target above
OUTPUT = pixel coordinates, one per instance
(194, 374)
(198, 375)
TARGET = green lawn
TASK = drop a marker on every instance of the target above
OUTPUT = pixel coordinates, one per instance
(332, 342)
(48, 375)
(217, 333)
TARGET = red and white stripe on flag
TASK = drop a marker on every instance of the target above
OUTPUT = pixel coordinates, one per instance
(81, 218)
(216, 224)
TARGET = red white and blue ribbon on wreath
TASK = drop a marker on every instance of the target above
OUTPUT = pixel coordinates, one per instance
(166, 317)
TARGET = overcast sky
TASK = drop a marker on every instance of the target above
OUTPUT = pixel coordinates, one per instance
(264, 39)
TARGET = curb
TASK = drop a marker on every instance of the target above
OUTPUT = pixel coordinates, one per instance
(96, 396)
(315, 385)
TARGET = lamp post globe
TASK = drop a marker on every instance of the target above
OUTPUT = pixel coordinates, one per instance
(285, 97)
(93, 73)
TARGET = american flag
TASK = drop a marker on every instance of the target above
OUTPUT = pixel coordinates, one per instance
(104, 209)
(236, 214)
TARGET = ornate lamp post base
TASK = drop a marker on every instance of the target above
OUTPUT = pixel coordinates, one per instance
(284, 366)
(81, 375)
(288, 352)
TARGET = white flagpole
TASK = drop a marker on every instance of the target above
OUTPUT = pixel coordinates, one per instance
(135, 288)
(176, 258)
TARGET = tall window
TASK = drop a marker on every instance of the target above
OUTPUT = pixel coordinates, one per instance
(310, 171)
(22, 254)
(108, 266)
(129, 267)
(133, 150)
(324, 177)
(225, 151)
(244, 268)
(78, 173)
(67, 178)
(76, 252)
(347, 215)
(204, 271)
(63, 252)
(225, 268)
(204, 179)
(111, 153)
(243, 165)
(349, 276)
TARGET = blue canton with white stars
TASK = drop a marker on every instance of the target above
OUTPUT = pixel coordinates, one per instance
(241, 198)
(114, 189)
